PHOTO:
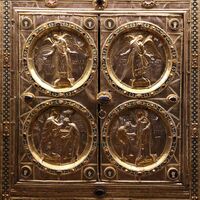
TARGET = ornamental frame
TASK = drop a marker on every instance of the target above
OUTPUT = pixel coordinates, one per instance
(7, 95)
(6, 73)
(194, 98)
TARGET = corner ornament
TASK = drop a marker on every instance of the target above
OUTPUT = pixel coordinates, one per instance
(100, 4)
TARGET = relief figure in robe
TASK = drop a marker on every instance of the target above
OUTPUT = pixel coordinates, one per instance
(143, 137)
(141, 51)
(60, 137)
(61, 59)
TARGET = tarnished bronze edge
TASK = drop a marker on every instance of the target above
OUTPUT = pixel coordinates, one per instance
(6, 100)
(1, 64)
(194, 98)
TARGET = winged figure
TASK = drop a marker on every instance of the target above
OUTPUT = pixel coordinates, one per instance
(141, 51)
(57, 49)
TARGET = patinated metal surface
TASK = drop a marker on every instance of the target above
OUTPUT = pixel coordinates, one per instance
(99, 99)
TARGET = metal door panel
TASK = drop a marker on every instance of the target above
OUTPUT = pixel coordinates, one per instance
(96, 99)
(136, 104)
(48, 101)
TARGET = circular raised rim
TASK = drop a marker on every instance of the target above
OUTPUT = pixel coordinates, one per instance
(85, 172)
(29, 20)
(168, 173)
(29, 66)
(158, 86)
(170, 144)
(86, 26)
(107, 27)
(26, 167)
(107, 169)
(32, 151)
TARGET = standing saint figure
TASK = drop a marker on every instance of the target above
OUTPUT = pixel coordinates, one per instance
(143, 137)
(62, 59)
(69, 137)
(125, 138)
(49, 132)
(139, 58)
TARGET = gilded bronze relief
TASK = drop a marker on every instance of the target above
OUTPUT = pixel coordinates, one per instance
(60, 57)
(60, 135)
(139, 59)
(140, 137)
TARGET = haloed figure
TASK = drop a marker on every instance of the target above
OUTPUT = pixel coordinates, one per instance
(61, 59)
(69, 136)
(49, 132)
(144, 137)
(139, 57)
(125, 137)
(60, 139)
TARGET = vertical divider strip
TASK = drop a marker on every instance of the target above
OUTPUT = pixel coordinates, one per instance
(194, 99)
(6, 84)
(99, 89)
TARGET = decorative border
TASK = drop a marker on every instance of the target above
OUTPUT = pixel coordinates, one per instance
(6, 100)
(29, 68)
(194, 99)
(71, 104)
(162, 83)
(172, 134)
(193, 88)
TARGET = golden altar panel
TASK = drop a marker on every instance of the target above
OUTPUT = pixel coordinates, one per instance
(99, 99)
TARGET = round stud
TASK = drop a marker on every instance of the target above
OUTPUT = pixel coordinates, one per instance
(89, 23)
(174, 24)
(51, 3)
(110, 172)
(26, 23)
(172, 98)
(173, 174)
(26, 171)
(148, 4)
(89, 173)
(109, 24)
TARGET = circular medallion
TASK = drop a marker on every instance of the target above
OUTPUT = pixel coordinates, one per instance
(60, 58)
(89, 173)
(109, 24)
(26, 23)
(26, 171)
(89, 23)
(110, 172)
(139, 59)
(173, 173)
(60, 135)
(139, 137)
(174, 24)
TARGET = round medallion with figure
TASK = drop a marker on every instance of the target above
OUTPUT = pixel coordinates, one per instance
(140, 137)
(139, 59)
(60, 58)
(60, 135)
